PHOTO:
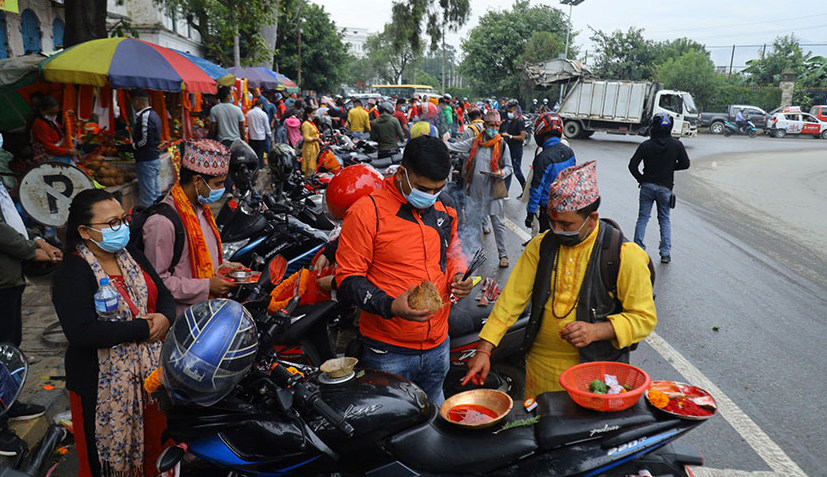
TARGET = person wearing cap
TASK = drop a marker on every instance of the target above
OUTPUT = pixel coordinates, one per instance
(387, 131)
(574, 318)
(194, 278)
(391, 241)
(359, 121)
(484, 174)
(146, 137)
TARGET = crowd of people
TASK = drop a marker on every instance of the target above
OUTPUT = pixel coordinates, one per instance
(400, 232)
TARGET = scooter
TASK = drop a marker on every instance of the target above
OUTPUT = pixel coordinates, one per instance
(372, 423)
(13, 371)
(730, 129)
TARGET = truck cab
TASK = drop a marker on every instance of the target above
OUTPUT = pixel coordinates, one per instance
(681, 106)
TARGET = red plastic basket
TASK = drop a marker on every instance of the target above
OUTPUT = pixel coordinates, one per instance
(576, 381)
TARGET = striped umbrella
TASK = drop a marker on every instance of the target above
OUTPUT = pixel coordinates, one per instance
(125, 63)
(256, 77)
(219, 74)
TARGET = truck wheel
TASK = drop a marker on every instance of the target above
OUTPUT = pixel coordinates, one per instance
(572, 129)
(779, 133)
(716, 128)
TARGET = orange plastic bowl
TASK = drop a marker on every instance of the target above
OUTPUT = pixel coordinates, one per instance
(576, 381)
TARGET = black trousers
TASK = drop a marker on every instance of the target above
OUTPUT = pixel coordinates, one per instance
(260, 146)
(11, 319)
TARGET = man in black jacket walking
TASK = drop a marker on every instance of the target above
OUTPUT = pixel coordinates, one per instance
(661, 155)
(146, 137)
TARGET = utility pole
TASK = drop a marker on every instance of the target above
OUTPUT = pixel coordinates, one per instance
(571, 4)
(731, 59)
(443, 56)
(299, 69)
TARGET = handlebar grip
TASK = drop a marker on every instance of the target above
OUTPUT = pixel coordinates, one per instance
(291, 307)
(281, 373)
(333, 417)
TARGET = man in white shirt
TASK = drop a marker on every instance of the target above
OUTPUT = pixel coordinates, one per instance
(258, 126)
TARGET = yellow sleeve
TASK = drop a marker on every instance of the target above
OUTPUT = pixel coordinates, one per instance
(307, 131)
(634, 289)
(515, 296)
(367, 122)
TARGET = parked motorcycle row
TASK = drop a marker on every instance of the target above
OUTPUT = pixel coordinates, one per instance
(287, 417)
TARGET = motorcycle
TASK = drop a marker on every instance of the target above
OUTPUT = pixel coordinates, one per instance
(13, 371)
(749, 130)
(302, 422)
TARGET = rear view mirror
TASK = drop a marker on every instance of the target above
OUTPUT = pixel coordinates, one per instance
(13, 370)
(277, 269)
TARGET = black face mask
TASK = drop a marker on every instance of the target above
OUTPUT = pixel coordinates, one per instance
(569, 238)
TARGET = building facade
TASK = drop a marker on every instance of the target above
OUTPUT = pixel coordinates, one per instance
(155, 25)
(356, 39)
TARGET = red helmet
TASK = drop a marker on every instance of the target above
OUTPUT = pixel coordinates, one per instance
(348, 186)
(545, 124)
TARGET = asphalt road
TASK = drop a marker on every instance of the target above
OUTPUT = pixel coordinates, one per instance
(748, 260)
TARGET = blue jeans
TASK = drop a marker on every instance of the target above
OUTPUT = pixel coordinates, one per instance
(148, 190)
(649, 194)
(427, 369)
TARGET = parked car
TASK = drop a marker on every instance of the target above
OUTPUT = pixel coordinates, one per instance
(715, 121)
(820, 112)
(796, 122)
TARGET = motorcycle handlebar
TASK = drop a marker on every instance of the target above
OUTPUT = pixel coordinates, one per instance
(332, 416)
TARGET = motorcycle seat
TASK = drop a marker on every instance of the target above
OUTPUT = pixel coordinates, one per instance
(309, 316)
(562, 421)
(442, 448)
(466, 317)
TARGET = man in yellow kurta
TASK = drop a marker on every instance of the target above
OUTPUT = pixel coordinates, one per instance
(582, 318)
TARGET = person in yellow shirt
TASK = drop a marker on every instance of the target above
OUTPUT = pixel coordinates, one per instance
(575, 316)
(359, 121)
(312, 142)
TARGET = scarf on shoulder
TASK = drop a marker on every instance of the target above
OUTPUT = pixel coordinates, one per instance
(495, 151)
(122, 369)
(200, 260)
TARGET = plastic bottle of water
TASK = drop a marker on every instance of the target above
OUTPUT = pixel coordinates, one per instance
(107, 301)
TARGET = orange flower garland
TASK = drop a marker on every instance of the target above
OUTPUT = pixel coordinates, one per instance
(277, 302)
(153, 382)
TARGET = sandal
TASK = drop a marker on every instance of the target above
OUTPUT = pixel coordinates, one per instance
(503, 262)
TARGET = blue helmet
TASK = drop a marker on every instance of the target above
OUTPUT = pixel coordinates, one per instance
(207, 352)
(662, 123)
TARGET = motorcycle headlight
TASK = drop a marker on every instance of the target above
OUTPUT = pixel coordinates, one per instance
(229, 249)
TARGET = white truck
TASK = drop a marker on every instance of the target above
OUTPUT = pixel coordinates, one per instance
(616, 107)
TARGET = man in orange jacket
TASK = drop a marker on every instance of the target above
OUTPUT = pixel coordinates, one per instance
(391, 241)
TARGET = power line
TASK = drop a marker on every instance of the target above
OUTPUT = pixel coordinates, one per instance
(741, 24)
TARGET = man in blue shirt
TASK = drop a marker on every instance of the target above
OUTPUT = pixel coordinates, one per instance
(548, 129)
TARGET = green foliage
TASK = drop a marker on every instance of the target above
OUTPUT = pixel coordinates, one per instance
(437, 16)
(358, 72)
(786, 54)
(218, 20)
(676, 48)
(694, 72)
(387, 62)
(625, 56)
(324, 55)
(494, 47)
(423, 77)
(765, 98)
(123, 28)
(459, 92)
(815, 72)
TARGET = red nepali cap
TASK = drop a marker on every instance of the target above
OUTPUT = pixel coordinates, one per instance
(206, 156)
(575, 188)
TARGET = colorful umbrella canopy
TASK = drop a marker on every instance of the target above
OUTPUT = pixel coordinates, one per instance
(256, 77)
(286, 83)
(219, 74)
(126, 63)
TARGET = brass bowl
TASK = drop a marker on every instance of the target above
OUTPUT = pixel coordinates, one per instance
(497, 401)
(241, 275)
(338, 367)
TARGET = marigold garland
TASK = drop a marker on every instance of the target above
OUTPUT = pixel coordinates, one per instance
(658, 398)
(153, 382)
(303, 276)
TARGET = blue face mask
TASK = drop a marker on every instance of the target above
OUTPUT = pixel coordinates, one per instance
(215, 194)
(113, 240)
(491, 132)
(510, 115)
(417, 198)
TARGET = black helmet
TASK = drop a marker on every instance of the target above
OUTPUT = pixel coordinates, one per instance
(243, 164)
(282, 161)
(207, 352)
(662, 124)
(385, 107)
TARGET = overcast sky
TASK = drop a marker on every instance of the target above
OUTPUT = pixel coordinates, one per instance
(711, 22)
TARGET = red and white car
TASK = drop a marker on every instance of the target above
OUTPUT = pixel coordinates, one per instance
(793, 121)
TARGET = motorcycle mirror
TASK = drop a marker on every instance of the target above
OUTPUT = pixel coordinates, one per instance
(13, 371)
(276, 269)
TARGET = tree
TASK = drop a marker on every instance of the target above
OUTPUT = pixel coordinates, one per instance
(786, 54)
(495, 46)
(218, 21)
(626, 56)
(674, 49)
(85, 20)
(358, 72)
(388, 62)
(694, 72)
(437, 15)
(423, 77)
(324, 55)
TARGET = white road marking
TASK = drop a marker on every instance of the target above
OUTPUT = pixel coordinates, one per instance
(766, 448)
